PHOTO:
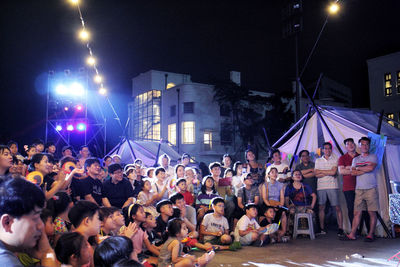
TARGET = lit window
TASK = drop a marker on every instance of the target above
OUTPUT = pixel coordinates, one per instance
(398, 82)
(388, 84)
(172, 133)
(188, 130)
(391, 117)
(207, 141)
(188, 107)
(170, 85)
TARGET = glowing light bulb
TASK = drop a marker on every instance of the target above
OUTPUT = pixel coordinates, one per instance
(103, 91)
(84, 35)
(98, 78)
(333, 8)
(75, 2)
(91, 61)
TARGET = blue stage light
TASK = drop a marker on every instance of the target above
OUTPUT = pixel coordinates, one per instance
(58, 128)
(81, 126)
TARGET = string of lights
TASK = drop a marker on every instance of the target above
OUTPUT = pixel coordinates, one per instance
(84, 35)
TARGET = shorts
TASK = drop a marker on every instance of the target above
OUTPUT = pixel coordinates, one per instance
(331, 194)
(366, 199)
(246, 240)
(215, 241)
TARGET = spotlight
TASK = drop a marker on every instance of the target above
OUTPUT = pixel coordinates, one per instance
(58, 128)
(81, 126)
(84, 35)
(76, 89)
(103, 91)
(61, 89)
(98, 78)
(79, 107)
(74, 2)
(91, 61)
(66, 108)
(333, 8)
(70, 127)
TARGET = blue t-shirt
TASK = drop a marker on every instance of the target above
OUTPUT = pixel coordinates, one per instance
(298, 196)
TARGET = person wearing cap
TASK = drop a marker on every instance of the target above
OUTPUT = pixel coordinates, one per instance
(164, 207)
(116, 158)
(117, 190)
(248, 193)
(247, 230)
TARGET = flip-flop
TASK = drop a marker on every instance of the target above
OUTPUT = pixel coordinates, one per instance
(368, 239)
(347, 238)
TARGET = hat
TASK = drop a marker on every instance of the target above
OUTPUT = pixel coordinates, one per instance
(66, 147)
(185, 155)
(246, 176)
(114, 167)
(249, 206)
(162, 203)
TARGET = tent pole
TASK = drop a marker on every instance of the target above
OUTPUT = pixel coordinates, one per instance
(322, 119)
(289, 131)
(158, 153)
(127, 138)
(305, 123)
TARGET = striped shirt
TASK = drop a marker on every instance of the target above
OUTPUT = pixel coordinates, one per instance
(327, 182)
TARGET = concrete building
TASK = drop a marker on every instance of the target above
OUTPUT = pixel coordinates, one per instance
(170, 106)
(384, 85)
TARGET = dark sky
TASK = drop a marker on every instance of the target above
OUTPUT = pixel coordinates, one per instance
(206, 39)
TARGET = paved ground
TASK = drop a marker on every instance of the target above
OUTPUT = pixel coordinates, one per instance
(323, 251)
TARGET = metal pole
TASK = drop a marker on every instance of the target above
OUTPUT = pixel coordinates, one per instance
(297, 116)
(289, 131)
(321, 118)
(300, 137)
(47, 107)
(178, 132)
(158, 153)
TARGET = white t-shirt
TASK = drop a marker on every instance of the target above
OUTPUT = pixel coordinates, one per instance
(213, 224)
(327, 182)
(280, 168)
(245, 223)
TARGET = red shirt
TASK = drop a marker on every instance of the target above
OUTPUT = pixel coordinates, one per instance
(189, 199)
(349, 181)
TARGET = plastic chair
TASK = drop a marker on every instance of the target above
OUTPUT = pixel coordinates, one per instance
(309, 231)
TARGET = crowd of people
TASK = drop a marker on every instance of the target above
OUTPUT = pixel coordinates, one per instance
(80, 210)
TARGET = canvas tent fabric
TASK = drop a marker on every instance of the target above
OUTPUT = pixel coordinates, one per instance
(354, 123)
(144, 150)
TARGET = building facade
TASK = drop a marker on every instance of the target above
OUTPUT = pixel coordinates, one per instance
(171, 107)
(384, 86)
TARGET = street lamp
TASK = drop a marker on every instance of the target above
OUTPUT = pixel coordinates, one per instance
(333, 8)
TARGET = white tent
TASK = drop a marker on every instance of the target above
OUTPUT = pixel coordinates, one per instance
(144, 150)
(345, 123)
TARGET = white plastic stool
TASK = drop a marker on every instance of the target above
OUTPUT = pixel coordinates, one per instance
(309, 231)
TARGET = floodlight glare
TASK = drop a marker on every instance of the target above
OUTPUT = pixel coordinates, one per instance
(84, 35)
(74, 1)
(76, 89)
(98, 78)
(91, 61)
(58, 128)
(103, 91)
(79, 107)
(66, 108)
(61, 89)
(333, 8)
(81, 126)
(70, 128)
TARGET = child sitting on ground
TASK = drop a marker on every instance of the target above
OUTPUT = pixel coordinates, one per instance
(171, 252)
(153, 237)
(181, 186)
(207, 193)
(60, 204)
(270, 218)
(47, 220)
(73, 250)
(107, 223)
(215, 227)
(248, 231)
(164, 207)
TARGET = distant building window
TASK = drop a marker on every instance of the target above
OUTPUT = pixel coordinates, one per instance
(398, 82)
(207, 141)
(391, 117)
(172, 111)
(188, 107)
(388, 84)
(170, 85)
(225, 110)
(188, 132)
(172, 133)
(226, 134)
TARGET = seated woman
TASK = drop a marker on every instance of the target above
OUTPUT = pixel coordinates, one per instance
(272, 193)
(299, 197)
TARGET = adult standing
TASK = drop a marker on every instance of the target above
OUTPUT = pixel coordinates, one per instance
(327, 186)
(364, 168)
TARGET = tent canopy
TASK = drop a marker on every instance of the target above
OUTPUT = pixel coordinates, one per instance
(144, 150)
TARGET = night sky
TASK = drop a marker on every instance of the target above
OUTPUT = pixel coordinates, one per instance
(205, 39)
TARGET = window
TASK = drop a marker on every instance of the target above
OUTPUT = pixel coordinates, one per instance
(226, 134)
(388, 84)
(398, 82)
(225, 110)
(391, 117)
(172, 133)
(188, 107)
(188, 130)
(170, 85)
(146, 116)
(207, 141)
(172, 111)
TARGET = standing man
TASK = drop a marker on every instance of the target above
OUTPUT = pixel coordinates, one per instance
(327, 186)
(284, 173)
(364, 167)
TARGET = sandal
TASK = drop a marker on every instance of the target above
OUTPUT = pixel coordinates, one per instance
(347, 238)
(368, 239)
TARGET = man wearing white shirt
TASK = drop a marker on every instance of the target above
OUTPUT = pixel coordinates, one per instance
(327, 186)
